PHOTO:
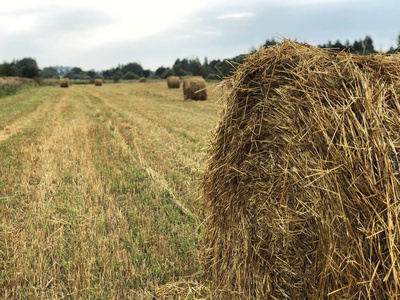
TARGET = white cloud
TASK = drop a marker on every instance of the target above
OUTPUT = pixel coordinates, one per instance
(210, 33)
(101, 34)
(131, 20)
(311, 2)
(244, 15)
(23, 23)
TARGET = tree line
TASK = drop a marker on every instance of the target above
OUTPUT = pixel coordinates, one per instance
(210, 70)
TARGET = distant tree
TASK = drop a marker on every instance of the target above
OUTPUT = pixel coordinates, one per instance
(117, 75)
(212, 77)
(368, 45)
(91, 73)
(167, 72)
(185, 65)
(179, 70)
(49, 72)
(213, 63)
(108, 74)
(252, 49)
(160, 71)
(27, 67)
(194, 67)
(85, 76)
(269, 43)
(76, 70)
(146, 73)
(329, 44)
(391, 50)
(116, 78)
(132, 67)
(229, 66)
(131, 75)
(338, 45)
(74, 73)
(358, 47)
(8, 69)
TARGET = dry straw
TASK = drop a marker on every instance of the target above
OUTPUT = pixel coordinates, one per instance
(98, 82)
(182, 290)
(302, 186)
(142, 79)
(64, 82)
(173, 82)
(194, 88)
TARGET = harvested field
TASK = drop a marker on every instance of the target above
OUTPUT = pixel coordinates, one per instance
(10, 79)
(98, 192)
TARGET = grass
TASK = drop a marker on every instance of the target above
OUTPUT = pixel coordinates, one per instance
(98, 192)
(11, 85)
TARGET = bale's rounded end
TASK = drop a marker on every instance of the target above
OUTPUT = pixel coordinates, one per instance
(173, 82)
(194, 88)
(64, 82)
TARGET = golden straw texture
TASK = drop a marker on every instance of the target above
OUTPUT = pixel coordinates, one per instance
(173, 82)
(302, 185)
(194, 88)
(64, 82)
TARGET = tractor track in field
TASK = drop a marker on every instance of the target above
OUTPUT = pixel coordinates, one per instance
(98, 192)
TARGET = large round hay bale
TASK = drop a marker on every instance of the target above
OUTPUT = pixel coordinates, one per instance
(173, 82)
(302, 187)
(142, 79)
(98, 82)
(194, 88)
(64, 82)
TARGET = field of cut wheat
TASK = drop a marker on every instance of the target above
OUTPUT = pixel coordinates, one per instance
(99, 194)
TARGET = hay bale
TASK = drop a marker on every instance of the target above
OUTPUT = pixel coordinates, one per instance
(64, 82)
(194, 88)
(302, 187)
(173, 82)
(98, 82)
(142, 79)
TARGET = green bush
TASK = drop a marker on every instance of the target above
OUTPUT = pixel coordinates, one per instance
(213, 77)
(7, 89)
(131, 75)
(116, 78)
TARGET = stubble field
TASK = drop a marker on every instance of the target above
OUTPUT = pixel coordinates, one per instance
(99, 194)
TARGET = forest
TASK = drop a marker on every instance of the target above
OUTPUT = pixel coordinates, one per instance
(211, 70)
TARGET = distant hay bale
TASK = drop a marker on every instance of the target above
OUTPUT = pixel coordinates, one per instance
(64, 82)
(173, 82)
(98, 82)
(302, 186)
(194, 88)
(142, 79)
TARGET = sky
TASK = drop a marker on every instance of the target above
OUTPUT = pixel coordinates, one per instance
(103, 34)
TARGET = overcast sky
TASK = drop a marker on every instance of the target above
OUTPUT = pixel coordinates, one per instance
(102, 34)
